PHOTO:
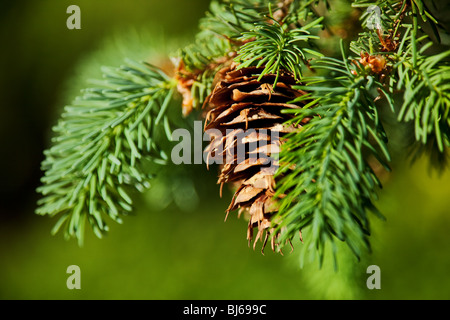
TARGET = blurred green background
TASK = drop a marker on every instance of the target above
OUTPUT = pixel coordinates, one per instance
(176, 245)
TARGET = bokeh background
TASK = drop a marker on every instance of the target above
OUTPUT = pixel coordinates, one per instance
(176, 245)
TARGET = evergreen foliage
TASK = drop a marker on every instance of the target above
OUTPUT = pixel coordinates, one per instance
(99, 147)
(276, 47)
(326, 183)
(332, 184)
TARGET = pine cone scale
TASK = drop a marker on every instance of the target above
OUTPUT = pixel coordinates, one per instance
(248, 112)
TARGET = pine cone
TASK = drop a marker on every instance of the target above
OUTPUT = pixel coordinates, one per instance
(240, 102)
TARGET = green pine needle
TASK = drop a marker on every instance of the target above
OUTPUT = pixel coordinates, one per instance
(276, 47)
(332, 186)
(219, 29)
(426, 96)
(422, 79)
(100, 146)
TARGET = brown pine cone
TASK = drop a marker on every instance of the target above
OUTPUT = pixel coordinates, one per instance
(246, 114)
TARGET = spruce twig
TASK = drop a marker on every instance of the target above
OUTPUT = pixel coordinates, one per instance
(100, 145)
(332, 185)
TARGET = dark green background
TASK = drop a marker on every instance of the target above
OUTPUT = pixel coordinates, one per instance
(161, 251)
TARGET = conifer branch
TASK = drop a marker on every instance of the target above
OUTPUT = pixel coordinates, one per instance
(102, 142)
(228, 26)
(422, 78)
(215, 46)
(325, 179)
(425, 82)
(276, 47)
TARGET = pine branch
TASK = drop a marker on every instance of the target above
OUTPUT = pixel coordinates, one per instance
(422, 78)
(230, 18)
(425, 82)
(102, 142)
(214, 47)
(227, 26)
(304, 10)
(325, 178)
(199, 62)
(276, 47)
